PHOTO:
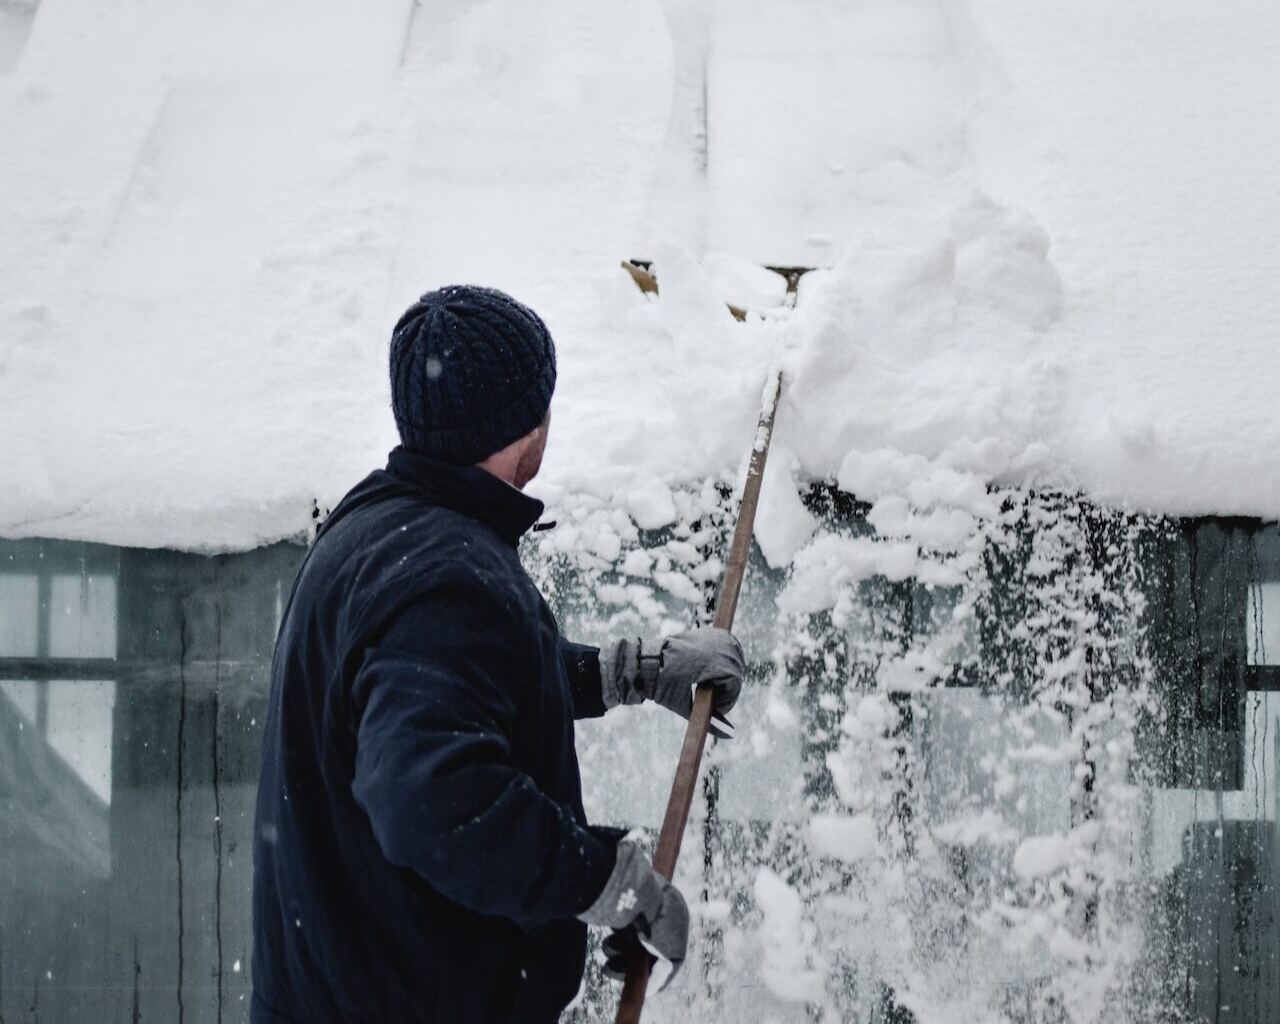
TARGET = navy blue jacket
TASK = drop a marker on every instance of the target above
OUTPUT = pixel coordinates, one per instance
(420, 846)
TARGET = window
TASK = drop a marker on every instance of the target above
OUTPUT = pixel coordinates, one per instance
(132, 685)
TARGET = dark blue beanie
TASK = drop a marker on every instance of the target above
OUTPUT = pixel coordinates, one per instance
(471, 371)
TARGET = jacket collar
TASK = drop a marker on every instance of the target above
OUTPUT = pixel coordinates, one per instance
(469, 490)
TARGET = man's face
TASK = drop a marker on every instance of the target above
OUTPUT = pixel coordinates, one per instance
(531, 457)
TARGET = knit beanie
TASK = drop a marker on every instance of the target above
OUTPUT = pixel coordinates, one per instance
(471, 371)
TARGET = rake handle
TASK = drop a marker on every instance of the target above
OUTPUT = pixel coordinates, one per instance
(695, 735)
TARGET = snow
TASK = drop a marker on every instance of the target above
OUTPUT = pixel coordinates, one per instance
(743, 284)
(783, 525)
(841, 837)
(1046, 254)
(651, 505)
(1039, 856)
(788, 965)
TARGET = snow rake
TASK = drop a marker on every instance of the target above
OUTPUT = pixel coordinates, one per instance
(631, 1002)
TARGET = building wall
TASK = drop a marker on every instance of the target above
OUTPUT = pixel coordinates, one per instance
(130, 724)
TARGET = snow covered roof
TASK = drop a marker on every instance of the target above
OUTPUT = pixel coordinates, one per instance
(1051, 234)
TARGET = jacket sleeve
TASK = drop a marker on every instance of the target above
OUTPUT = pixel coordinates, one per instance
(582, 664)
(435, 702)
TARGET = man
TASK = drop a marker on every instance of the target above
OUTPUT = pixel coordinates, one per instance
(421, 851)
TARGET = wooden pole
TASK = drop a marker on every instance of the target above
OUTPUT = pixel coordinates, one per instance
(695, 735)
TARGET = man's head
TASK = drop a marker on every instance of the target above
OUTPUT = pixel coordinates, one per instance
(472, 373)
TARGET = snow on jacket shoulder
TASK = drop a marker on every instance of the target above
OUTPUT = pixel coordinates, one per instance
(421, 847)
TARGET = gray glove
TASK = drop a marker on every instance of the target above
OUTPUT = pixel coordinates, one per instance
(647, 910)
(667, 671)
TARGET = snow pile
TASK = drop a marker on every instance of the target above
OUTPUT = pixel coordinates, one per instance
(939, 346)
(869, 363)
(212, 215)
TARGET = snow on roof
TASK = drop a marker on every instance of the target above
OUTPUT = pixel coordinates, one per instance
(1047, 237)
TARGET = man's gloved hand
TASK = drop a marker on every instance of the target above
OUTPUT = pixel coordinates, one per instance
(646, 911)
(620, 950)
(667, 671)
